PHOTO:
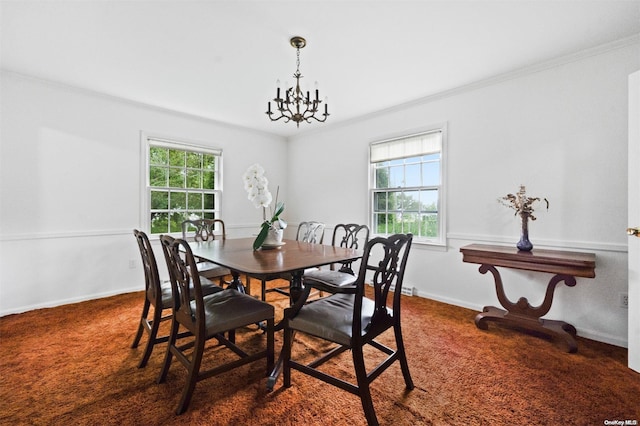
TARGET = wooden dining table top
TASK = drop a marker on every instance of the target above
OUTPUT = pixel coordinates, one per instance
(237, 254)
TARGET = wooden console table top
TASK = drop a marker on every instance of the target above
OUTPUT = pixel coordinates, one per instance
(553, 261)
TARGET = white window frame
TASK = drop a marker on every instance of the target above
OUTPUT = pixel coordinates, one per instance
(440, 240)
(146, 141)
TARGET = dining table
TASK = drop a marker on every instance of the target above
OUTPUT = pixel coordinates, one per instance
(292, 256)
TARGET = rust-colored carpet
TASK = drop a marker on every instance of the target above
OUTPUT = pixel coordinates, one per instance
(72, 365)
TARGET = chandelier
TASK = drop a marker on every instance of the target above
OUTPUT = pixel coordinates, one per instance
(295, 105)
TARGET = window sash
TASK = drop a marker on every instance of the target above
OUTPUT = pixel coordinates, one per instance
(187, 200)
(422, 214)
(172, 144)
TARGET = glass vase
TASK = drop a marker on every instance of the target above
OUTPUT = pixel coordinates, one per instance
(524, 244)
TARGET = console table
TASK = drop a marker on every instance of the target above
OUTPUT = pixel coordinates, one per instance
(565, 266)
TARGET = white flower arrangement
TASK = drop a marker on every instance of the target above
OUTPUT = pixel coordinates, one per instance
(257, 186)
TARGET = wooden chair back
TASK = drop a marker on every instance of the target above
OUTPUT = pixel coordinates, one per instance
(185, 285)
(150, 267)
(382, 266)
(349, 235)
(203, 229)
(311, 232)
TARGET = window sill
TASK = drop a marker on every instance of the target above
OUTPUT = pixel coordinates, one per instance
(430, 245)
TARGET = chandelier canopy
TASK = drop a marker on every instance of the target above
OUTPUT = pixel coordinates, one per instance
(295, 105)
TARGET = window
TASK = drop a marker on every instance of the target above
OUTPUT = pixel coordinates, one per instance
(406, 186)
(183, 182)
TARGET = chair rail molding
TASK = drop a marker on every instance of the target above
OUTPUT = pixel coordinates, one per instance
(541, 243)
(66, 234)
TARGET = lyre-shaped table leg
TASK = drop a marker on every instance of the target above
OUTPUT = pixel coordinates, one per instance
(522, 315)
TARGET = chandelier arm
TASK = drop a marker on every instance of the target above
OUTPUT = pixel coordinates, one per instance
(316, 104)
(287, 103)
(281, 116)
(319, 120)
(270, 113)
(281, 110)
(307, 110)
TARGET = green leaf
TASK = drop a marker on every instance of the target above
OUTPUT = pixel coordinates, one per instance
(262, 235)
(278, 212)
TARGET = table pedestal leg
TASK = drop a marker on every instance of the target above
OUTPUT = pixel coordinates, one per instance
(296, 288)
(523, 315)
(298, 295)
(235, 283)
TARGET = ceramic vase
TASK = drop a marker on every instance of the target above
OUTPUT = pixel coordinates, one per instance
(274, 237)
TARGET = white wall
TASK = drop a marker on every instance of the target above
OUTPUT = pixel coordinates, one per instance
(69, 184)
(560, 129)
(70, 188)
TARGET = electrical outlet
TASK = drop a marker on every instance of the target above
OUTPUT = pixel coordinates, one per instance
(623, 300)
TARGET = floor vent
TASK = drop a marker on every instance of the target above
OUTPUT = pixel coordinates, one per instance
(407, 291)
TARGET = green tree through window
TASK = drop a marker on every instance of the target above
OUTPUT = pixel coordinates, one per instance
(183, 184)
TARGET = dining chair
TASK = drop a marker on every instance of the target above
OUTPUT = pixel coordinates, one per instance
(350, 235)
(350, 320)
(308, 232)
(208, 317)
(202, 230)
(157, 296)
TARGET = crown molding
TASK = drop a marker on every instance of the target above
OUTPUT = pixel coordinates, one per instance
(510, 75)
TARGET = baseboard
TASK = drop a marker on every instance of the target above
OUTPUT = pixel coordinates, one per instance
(582, 332)
(60, 302)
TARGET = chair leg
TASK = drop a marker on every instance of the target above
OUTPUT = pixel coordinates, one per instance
(270, 345)
(404, 365)
(192, 376)
(286, 356)
(143, 318)
(168, 354)
(153, 333)
(363, 386)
